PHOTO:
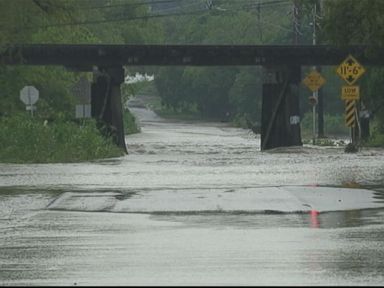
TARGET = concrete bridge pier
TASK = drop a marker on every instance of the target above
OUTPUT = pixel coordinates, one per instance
(106, 105)
(280, 117)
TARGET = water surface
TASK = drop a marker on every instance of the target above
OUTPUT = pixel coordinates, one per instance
(195, 204)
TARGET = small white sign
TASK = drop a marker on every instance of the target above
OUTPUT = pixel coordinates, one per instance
(83, 111)
(29, 95)
(82, 91)
(30, 107)
(294, 120)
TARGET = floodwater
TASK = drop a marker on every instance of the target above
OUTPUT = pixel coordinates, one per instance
(196, 204)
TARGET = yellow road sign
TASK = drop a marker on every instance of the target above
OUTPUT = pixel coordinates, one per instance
(350, 92)
(350, 113)
(350, 70)
(314, 80)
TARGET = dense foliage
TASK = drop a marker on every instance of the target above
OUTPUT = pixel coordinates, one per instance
(225, 93)
(59, 21)
(47, 21)
(24, 139)
(234, 93)
(361, 22)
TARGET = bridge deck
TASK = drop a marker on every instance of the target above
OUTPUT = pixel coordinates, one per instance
(195, 55)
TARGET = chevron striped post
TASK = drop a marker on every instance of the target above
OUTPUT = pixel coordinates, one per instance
(351, 119)
(350, 107)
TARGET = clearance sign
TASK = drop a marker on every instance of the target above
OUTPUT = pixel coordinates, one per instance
(350, 70)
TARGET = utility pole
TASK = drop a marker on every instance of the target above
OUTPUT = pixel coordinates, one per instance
(296, 22)
(315, 93)
(259, 20)
(320, 98)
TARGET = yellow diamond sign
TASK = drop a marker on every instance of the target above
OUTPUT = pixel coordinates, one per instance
(314, 81)
(350, 70)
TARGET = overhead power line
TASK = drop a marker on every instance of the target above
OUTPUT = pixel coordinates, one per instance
(122, 19)
(178, 13)
(211, 4)
(248, 2)
(131, 4)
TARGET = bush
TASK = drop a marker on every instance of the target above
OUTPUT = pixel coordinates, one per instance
(240, 121)
(333, 125)
(376, 140)
(32, 140)
(130, 125)
(377, 136)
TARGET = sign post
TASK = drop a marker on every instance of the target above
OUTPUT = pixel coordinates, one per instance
(350, 70)
(29, 95)
(314, 81)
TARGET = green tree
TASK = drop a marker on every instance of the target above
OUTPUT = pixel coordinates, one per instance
(360, 22)
(245, 94)
(216, 91)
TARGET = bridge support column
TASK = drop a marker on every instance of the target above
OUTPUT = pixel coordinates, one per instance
(106, 105)
(280, 118)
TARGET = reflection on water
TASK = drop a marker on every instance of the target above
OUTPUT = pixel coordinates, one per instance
(195, 204)
(341, 219)
(18, 203)
(64, 248)
(204, 168)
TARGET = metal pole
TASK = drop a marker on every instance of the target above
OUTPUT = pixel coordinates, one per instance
(315, 93)
(320, 95)
(314, 119)
(353, 128)
(314, 124)
(30, 101)
(357, 124)
(296, 24)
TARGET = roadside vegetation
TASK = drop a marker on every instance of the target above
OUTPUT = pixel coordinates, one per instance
(34, 140)
(334, 128)
(236, 91)
(230, 94)
(130, 125)
(367, 28)
(63, 138)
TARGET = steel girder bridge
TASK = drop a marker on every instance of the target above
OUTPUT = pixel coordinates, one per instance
(281, 77)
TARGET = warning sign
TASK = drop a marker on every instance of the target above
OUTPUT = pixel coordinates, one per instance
(350, 92)
(314, 81)
(350, 70)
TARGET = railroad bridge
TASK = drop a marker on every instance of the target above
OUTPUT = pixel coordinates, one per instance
(281, 77)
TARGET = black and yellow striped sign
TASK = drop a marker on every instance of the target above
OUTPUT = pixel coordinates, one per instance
(350, 113)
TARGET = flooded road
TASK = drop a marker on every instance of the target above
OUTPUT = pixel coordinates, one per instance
(196, 204)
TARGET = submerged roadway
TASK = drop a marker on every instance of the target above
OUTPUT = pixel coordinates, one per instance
(195, 204)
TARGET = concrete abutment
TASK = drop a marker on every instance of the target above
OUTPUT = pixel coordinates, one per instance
(280, 116)
(106, 104)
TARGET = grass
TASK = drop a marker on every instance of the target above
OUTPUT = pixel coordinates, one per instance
(376, 140)
(377, 137)
(130, 125)
(32, 140)
(334, 126)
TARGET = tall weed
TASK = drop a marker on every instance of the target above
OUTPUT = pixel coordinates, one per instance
(32, 140)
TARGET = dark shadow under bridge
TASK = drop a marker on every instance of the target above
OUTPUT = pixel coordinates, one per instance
(281, 77)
